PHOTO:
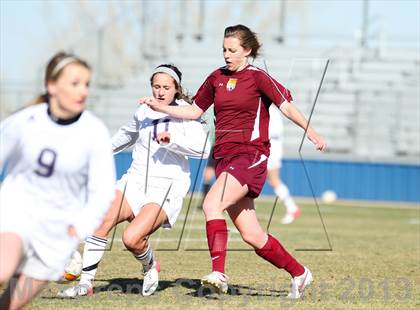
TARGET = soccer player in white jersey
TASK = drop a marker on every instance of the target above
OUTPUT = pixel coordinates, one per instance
(274, 165)
(59, 185)
(154, 185)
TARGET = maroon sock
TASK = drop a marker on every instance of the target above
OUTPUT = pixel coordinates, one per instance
(274, 252)
(217, 241)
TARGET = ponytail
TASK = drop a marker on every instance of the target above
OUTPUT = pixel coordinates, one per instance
(40, 99)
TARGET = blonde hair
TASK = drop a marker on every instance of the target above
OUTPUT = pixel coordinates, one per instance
(54, 69)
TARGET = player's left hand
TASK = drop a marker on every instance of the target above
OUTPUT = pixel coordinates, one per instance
(318, 140)
(163, 137)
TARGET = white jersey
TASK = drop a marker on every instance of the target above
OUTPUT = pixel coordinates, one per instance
(276, 138)
(276, 123)
(58, 175)
(151, 159)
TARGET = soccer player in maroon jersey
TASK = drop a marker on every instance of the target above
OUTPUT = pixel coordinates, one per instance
(242, 94)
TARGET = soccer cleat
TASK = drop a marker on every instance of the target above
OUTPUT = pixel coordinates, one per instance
(217, 280)
(289, 217)
(76, 291)
(151, 279)
(300, 283)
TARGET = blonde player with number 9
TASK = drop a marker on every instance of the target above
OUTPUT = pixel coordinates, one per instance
(59, 184)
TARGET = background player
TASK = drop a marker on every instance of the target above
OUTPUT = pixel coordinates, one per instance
(274, 165)
(242, 94)
(208, 175)
(154, 185)
(59, 184)
(209, 172)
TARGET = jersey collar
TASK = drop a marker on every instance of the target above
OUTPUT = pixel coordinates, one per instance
(62, 121)
(174, 102)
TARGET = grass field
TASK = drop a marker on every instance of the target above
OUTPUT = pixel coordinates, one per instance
(374, 264)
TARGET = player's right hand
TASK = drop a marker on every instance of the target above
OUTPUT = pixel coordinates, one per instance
(152, 103)
(146, 100)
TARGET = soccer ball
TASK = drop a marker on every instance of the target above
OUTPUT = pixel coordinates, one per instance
(73, 269)
(329, 197)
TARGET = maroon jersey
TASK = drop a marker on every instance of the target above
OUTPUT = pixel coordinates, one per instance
(241, 101)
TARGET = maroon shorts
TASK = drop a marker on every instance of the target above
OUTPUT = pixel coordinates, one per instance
(248, 169)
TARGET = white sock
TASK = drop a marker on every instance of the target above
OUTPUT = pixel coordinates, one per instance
(92, 254)
(283, 193)
(146, 258)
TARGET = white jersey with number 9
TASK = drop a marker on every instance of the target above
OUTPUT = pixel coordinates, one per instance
(58, 175)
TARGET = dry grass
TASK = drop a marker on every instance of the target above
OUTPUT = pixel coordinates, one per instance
(374, 264)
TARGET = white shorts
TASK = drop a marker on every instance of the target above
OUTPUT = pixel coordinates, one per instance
(167, 193)
(45, 252)
(32, 265)
(276, 154)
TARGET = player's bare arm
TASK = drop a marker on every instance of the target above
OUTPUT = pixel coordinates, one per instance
(292, 113)
(191, 111)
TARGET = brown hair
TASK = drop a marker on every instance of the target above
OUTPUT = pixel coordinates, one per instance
(54, 70)
(181, 93)
(247, 38)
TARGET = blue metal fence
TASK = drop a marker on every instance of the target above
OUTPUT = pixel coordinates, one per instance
(350, 180)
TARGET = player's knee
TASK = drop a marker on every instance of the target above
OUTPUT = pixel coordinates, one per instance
(206, 207)
(252, 238)
(215, 204)
(133, 240)
(5, 276)
(212, 209)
